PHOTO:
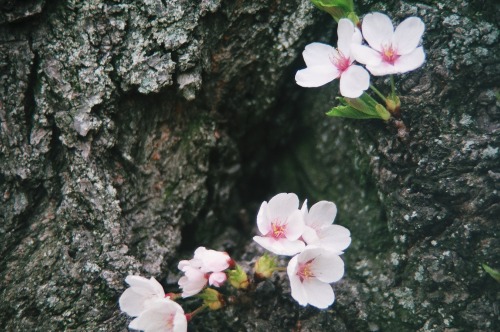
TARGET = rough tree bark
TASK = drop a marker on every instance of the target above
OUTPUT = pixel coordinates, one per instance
(134, 131)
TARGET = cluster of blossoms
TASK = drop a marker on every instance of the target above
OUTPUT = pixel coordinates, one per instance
(313, 240)
(387, 52)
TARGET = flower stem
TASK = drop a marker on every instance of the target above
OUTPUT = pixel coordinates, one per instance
(190, 315)
(377, 92)
(393, 89)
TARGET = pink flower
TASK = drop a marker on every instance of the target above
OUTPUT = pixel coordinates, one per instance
(140, 293)
(205, 267)
(281, 223)
(319, 230)
(162, 315)
(390, 51)
(325, 63)
(310, 274)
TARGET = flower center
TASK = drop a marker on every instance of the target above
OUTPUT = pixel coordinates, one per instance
(389, 54)
(278, 229)
(305, 271)
(340, 61)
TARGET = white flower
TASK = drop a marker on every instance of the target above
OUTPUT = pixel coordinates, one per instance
(193, 281)
(205, 267)
(162, 315)
(210, 260)
(140, 293)
(319, 230)
(325, 63)
(391, 51)
(281, 223)
(310, 274)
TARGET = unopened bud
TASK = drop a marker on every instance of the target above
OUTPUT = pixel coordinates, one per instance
(212, 299)
(238, 278)
(265, 266)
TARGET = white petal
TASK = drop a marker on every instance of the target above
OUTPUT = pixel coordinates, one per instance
(334, 238)
(318, 54)
(382, 69)
(357, 38)
(180, 321)
(137, 281)
(319, 294)
(365, 55)
(406, 63)
(321, 214)
(217, 279)
(213, 260)
(345, 32)
(313, 77)
(328, 267)
(310, 235)
(281, 246)
(263, 223)
(408, 35)
(131, 302)
(298, 291)
(295, 225)
(377, 30)
(281, 206)
(309, 253)
(354, 81)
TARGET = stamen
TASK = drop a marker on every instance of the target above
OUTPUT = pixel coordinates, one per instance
(277, 229)
(340, 61)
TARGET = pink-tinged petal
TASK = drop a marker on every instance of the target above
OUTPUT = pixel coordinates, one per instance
(182, 264)
(318, 54)
(180, 321)
(310, 235)
(295, 225)
(298, 292)
(365, 55)
(217, 279)
(408, 35)
(411, 61)
(212, 260)
(377, 30)
(321, 214)
(319, 294)
(160, 317)
(131, 302)
(281, 206)
(263, 223)
(382, 69)
(280, 247)
(309, 253)
(354, 81)
(345, 32)
(313, 77)
(328, 267)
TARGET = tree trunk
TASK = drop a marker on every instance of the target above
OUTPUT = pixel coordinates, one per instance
(133, 132)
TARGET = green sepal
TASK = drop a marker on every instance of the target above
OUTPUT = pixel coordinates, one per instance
(344, 111)
(337, 8)
(495, 274)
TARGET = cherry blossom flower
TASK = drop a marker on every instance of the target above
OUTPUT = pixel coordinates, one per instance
(161, 315)
(391, 51)
(140, 293)
(281, 223)
(205, 267)
(325, 63)
(319, 230)
(310, 274)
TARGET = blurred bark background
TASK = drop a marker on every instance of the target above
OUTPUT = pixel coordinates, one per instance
(133, 132)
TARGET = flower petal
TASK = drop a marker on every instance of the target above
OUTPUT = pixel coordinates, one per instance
(217, 279)
(382, 69)
(318, 54)
(377, 30)
(298, 291)
(312, 77)
(365, 55)
(354, 81)
(281, 246)
(281, 206)
(295, 225)
(408, 35)
(328, 267)
(345, 32)
(131, 302)
(310, 235)
(321, 214)
(411, 61)
(263, 223)
(319, 294)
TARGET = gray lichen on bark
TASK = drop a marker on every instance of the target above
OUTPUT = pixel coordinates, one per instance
(130, 129)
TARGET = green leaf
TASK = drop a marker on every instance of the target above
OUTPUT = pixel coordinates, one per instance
(495, 274)
(337, 8)
(344, 111)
